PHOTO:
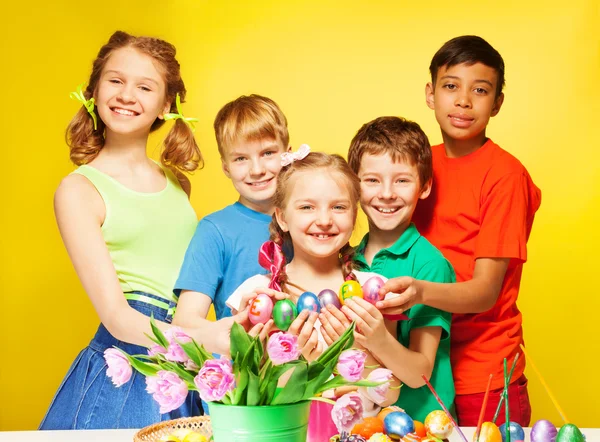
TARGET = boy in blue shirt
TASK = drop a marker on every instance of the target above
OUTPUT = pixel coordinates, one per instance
(251, 134)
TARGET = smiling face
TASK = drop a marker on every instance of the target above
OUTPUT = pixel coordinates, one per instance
(319, 213)
(253, 167)
(464, 99)
(130, 94)
(390, 191)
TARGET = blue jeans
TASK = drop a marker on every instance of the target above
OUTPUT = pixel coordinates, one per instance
(87, 399)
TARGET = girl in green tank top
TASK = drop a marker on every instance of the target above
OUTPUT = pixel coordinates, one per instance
(126, 222)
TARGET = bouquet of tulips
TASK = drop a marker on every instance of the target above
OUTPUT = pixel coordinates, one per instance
(176, 364)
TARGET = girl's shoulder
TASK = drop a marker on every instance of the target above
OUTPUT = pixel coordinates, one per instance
(363, 277)
(76, 189)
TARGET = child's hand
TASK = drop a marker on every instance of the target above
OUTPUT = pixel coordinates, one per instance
(371, 331)
(262, 330)
(401, 294)
(333, 323)
(274, 294)
(308, 336)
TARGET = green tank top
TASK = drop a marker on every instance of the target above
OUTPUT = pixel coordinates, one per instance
(147, 234)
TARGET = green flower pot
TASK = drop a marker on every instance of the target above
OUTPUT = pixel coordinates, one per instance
(271, 423)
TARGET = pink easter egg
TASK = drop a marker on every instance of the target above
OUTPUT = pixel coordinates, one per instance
(371, 289)
(261, 308)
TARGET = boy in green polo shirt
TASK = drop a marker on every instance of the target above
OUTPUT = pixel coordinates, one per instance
(392, 158)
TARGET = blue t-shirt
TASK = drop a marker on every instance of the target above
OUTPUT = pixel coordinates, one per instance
(224, 253)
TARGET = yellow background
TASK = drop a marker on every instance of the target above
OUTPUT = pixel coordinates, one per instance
(332, 66)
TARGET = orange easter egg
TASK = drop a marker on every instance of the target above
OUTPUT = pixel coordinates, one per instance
(420, 429)
(489, 433)
(368, 427)
(387, 410)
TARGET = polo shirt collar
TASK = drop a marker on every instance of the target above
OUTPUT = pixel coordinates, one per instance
(400, 247)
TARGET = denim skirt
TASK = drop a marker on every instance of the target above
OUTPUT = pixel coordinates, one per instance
(87, 398)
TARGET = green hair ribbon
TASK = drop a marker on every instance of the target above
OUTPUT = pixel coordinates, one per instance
(179, 115)
(88, 104)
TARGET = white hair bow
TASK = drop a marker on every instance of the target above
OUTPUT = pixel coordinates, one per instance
(288, 158)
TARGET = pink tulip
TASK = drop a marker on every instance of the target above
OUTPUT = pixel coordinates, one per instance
(378, 394)
(167, 389)
(347, 412)
(351, 364)
(175, 353)
(282, 348)
(156, 350)
(119, 368)
(215, 379)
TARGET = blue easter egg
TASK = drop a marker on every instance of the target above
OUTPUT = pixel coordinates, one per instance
(516, 431)
(329, 297)
(308, 301)
(398, 424)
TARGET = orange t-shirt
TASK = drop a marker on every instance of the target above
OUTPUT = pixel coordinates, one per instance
(482, 205)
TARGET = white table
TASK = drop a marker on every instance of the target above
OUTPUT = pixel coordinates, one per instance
(592, 435)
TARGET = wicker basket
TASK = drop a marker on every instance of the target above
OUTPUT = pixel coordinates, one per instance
(153, 433)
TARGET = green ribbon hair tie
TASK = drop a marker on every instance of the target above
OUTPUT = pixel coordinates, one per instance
(88, 104)
(179, 115)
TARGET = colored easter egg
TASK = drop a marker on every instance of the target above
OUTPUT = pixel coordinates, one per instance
(261, 308)
(543, 431)
(516, 431)
(398, 424)
(489, 433)
(387, 410)
(349, 289)
(420, 429)
(355, 438)
(438, 424)
(329, 297)
(569, 433)
(411, 437)
(368, 427)
(371, 289)
(380, 437)
(308, 301)
(284, 313)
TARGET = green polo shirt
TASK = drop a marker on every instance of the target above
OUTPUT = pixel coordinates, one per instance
(412, 255)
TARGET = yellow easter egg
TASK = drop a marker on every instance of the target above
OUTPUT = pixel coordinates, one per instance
(349, 289)
(438, 424)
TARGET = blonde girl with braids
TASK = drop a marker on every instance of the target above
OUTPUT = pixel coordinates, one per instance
(316, 204)
(126, 222)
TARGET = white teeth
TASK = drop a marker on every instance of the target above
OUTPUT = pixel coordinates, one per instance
(322, 236)
(124, 112)
(387, 210)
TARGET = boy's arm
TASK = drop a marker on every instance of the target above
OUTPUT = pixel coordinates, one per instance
(474, 296)
(428, 326)
(192, 308)
(502, 236)
(200, 275)
(408, 364)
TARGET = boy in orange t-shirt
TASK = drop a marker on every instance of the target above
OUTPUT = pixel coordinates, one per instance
(479, 215)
